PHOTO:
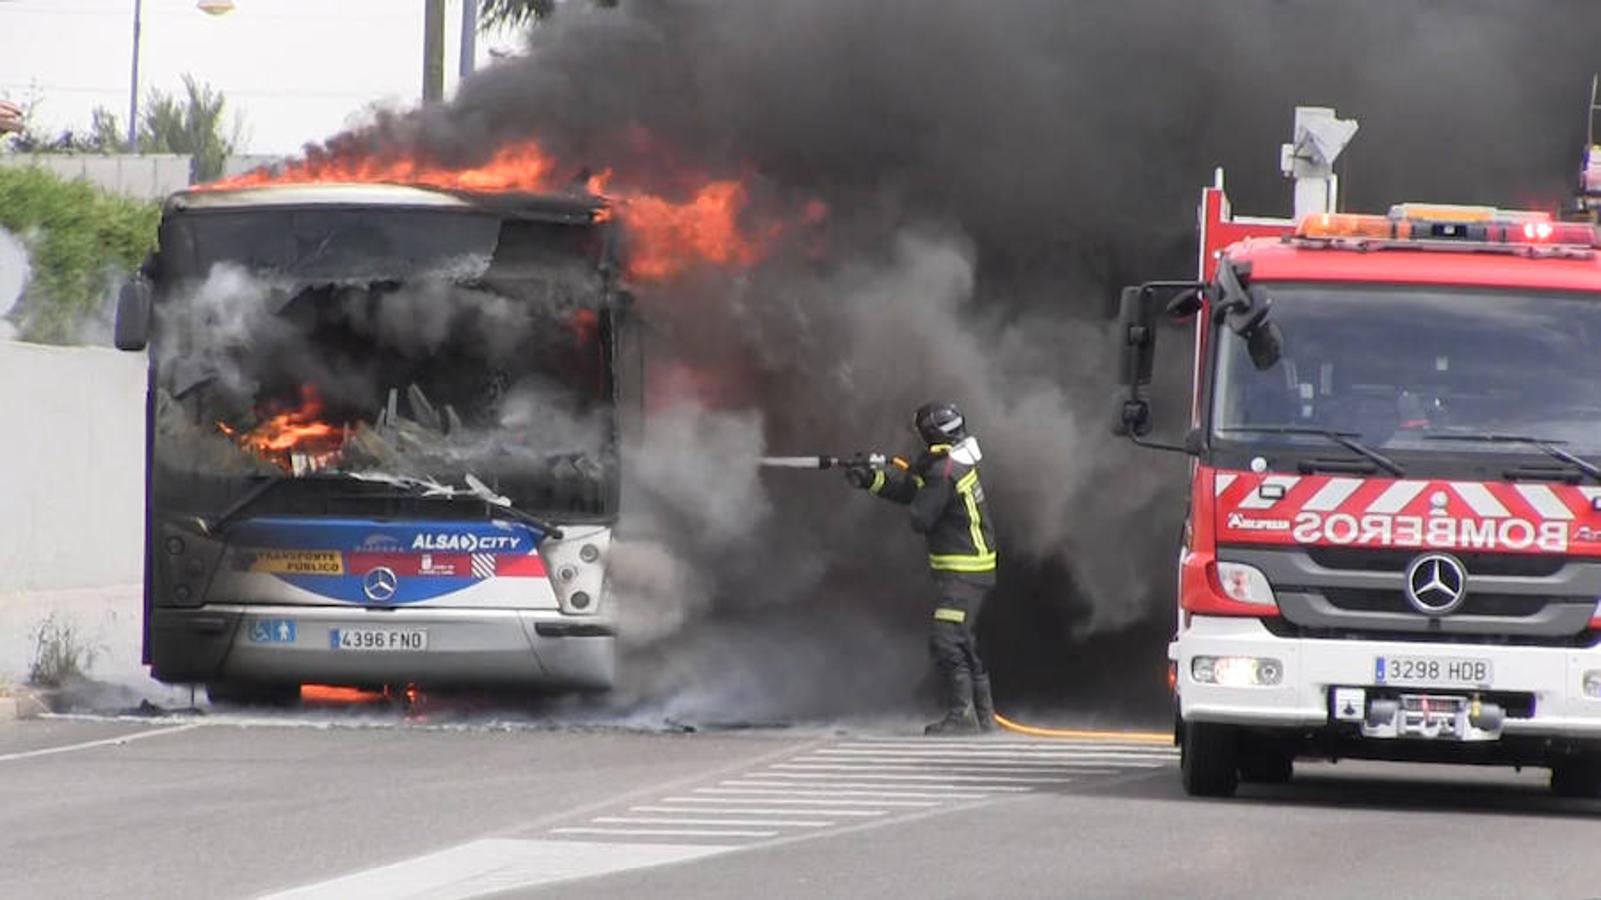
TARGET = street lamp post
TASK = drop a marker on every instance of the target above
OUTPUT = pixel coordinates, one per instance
(209, 7)
(133, 92)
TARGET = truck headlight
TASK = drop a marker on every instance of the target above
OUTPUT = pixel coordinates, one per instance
(1236, 671)
(1245, 584)
(1592, 683)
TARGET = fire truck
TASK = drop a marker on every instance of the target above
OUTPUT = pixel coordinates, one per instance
(1392, 548)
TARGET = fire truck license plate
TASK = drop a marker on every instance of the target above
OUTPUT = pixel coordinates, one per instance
(378, 639)
(1426, 671)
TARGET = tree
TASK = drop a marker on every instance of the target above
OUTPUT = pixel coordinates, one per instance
(520, 12)
(191, 124)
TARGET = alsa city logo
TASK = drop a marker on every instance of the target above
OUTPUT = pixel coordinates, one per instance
(466, 543)
(1442, 532)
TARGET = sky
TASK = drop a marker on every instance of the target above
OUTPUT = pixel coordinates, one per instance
(298, 70)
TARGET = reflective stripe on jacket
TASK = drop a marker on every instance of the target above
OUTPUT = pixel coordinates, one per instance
(947, 505)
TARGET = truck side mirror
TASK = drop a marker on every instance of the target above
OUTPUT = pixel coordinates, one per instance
(1137, 331)
(132, 331)
(1133, 417)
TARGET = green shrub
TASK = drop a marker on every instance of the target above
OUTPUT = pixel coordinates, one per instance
(60, 653)
(80, 240)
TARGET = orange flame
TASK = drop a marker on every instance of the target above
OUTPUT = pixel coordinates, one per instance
(668, 237)
(298, 430)
(519, 167)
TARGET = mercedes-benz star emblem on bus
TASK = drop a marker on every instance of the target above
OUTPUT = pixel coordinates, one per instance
(379, 584)
(1436, 583)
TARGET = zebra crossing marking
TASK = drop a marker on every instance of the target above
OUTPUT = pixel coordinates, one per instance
(852, 781)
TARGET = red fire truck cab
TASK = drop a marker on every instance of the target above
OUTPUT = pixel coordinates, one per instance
(1393, 543)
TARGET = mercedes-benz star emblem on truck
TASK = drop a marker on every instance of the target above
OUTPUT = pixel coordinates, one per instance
(1436, 583)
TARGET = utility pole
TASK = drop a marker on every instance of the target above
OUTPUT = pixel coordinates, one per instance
(433, 51)
(133, 91)
(469, 36)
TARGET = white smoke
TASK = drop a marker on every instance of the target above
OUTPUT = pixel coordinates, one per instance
(14, 272)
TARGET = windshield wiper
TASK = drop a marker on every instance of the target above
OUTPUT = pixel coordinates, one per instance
(476, 489)
(1345, 439)
(1545, 445)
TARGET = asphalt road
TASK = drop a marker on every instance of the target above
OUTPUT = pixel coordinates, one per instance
(370, 805)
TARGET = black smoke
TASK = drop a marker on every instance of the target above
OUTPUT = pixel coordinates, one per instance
(993, 172)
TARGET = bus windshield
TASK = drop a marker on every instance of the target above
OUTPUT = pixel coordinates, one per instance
(1418, 369)
(500, 382)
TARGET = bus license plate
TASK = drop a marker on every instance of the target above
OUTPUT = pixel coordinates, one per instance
(1427, 671)
(378, 639)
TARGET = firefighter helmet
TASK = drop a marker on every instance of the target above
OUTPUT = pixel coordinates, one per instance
(939, 423)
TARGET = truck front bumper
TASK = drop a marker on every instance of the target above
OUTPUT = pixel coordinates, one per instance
(1313, 668)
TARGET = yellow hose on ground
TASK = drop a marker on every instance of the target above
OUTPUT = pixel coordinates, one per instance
(1143, 737)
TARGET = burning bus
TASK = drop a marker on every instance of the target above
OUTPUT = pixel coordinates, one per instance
(382, 437)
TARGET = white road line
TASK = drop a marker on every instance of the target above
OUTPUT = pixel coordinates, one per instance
(764, 823)
(942, 758)
(886, 789)
(666, 832)
(944, 774)
(787, 801)
(103, 742)
(800, 792)
(494, 865)
(1040, 748)
(852, 772)
(756, 811)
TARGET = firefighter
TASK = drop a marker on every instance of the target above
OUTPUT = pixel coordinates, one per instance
(947, 506)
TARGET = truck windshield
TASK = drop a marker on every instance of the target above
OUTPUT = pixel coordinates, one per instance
(1397, 368)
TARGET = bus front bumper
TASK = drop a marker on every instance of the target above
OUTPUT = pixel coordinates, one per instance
(536, 649)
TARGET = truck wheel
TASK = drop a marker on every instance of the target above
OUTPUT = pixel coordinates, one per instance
(1209, 762)
(239, 693)
(1579, 778)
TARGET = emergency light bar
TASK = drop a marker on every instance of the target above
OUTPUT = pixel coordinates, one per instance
(1457, 224)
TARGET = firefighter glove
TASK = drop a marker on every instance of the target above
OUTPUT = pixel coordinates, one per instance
(859, 474)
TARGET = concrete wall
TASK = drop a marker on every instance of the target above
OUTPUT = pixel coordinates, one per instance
(150, 176)
(71, 466)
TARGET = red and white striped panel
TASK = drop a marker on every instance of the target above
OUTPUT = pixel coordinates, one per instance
(1331, 510)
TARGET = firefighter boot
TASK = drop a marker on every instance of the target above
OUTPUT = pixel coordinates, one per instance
(983, 703)
(959, 716)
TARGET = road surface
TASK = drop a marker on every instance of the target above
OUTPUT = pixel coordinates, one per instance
(372, 805)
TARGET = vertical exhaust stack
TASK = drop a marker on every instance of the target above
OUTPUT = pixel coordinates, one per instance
(1309, 158)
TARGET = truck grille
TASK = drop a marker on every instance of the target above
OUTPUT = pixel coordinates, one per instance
(1286, 629)
(1474, 604)
(1360, 560)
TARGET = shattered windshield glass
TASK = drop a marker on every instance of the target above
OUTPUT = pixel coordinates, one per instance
(1419, 370)
(498, 379)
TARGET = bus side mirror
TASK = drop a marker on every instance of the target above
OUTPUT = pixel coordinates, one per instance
(132, 331)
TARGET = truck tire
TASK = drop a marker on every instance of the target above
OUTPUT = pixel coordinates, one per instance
(239, 693)
(1579, 777)
(1210, 759)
